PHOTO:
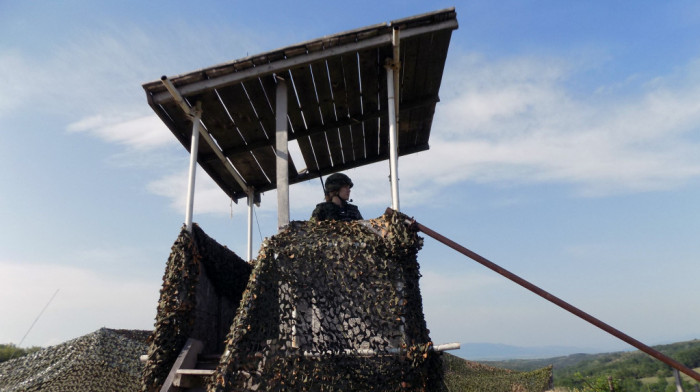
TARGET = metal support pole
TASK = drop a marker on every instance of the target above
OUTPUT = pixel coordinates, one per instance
(194, 149)
(677, 378)
(392, 105)
(251, 205)
(555, 300)
(282, 154)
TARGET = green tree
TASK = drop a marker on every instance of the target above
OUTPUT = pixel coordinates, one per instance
(599, 384)
(10, 351)
(660, 384)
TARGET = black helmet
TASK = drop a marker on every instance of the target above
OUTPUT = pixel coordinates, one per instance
(336, 181)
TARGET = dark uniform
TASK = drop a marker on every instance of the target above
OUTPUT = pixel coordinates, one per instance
(331, 211)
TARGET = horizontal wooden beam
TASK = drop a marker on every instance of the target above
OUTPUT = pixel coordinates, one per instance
(233, 151)
(298, 61)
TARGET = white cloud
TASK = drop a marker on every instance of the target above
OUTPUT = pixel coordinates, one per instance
(86, 301)
(510, 120)
(140, 133)
(514, 120)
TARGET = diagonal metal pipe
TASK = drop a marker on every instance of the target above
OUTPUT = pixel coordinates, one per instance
(551, 298)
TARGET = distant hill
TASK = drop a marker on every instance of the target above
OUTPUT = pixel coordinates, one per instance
(500, 352)
(634, 369)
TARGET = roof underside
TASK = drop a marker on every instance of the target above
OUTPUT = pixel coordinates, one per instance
(337, 102)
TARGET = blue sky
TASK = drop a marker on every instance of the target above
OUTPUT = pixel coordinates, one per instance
(565, 148)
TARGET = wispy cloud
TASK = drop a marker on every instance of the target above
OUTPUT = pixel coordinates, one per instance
(140, 133)
(86, 298)
(508, 120)
(514, 120)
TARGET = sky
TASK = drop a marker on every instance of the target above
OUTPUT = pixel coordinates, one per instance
(565, 149)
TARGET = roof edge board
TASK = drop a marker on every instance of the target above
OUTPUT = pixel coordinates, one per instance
(283, 65)
(270, 68)
(427, 15)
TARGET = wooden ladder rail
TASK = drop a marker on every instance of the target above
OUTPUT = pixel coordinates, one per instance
(551, 298)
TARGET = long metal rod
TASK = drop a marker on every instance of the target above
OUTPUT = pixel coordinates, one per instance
(282, 154)
(251, 205)
(559, 302)
(194, 150)
(391, 70)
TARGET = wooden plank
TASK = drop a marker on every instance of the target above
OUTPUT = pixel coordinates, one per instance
(218, 122)
(433, 51)
(423, 134)
(370, 68)
(246, 164)
(241, 111)
(268, 162)
(179, 123)
(411, 73)
(218, 172)
(306, 91)
(420, 120)
(383, 136)
(267, 159)
(196, 372)
(439, 45)
(186, 359)
(328, 115)
(352, 86)
(262, 105)
(340, 102)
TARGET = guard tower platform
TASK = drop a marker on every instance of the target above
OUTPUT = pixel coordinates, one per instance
(328, 305)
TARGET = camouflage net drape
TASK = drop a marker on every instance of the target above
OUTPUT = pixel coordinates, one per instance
(105, 360)
(332, 306)
(175, 318)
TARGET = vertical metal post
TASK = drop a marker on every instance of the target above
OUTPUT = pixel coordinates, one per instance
(679, 383)
(282, 154)
(392, 104)
(194, 149)
(251, 205)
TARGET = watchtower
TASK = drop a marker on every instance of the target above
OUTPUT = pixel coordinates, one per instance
(346, 100)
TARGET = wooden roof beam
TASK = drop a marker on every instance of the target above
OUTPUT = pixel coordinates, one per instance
(297, 61)
(405, 107)
(175, 94)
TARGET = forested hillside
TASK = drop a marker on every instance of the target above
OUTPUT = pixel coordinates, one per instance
(9, 351)
(628, 371)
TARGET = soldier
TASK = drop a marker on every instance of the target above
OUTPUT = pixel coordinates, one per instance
(336, 206)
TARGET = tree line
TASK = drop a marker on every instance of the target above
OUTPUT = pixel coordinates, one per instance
(632, 371)
(10, 351)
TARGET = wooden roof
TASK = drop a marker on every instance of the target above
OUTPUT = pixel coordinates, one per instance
(337, 110)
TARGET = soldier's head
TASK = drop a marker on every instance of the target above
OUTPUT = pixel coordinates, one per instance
(335, 184)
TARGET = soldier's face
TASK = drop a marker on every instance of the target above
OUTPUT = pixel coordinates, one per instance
(344, 192)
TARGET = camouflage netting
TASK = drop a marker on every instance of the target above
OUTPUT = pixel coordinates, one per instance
(333, 306)
(106, 360)
(467, 376)
(176, 309)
